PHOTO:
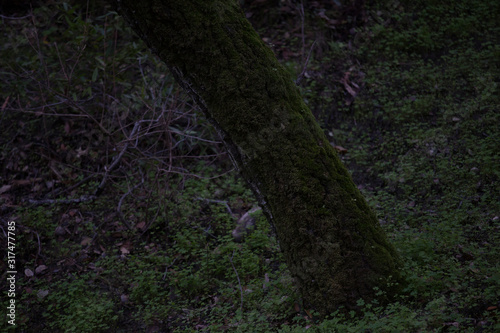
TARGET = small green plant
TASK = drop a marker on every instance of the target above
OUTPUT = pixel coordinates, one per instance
(72, 308)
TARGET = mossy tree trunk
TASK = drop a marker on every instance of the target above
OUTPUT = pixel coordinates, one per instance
(331, 240)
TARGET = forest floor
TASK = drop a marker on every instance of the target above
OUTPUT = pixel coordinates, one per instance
(121, 200)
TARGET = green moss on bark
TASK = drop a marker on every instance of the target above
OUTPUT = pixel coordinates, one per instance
(331, 240)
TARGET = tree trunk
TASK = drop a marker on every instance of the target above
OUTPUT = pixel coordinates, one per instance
(332, 242)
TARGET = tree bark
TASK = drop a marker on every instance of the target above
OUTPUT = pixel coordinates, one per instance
(331, 240)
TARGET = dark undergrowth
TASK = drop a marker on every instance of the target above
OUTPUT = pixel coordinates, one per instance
(124, 200)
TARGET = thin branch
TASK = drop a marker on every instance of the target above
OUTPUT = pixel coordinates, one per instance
(146, 227)
(15, 18)
(118, 209)
(219, 201)
(83, 198)
(166, 268)
(301, 75)
(115, 161)
(65, 190)
(302, 24)
(39, 246)
(186, 173)
(3, 230)
(239, 282)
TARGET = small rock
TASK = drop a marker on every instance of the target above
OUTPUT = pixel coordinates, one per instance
(42, 293)
(59, 231)
(40, 269)
(244, 224)
(28, 272)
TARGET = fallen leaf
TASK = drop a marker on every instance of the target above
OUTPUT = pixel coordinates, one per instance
(42, 293)
(40, 269)
(491, 308)
(67, 127)
(124, 250)
(350, 90)
(4, 105)
(28, 272)
(80, 152)
(341, 150)
(59, 231)
(86, 241)
(347, 84)
(5, 188)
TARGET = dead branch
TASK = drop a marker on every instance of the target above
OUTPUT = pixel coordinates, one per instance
(239, 282)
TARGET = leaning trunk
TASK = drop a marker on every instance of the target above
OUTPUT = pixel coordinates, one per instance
(331, 240)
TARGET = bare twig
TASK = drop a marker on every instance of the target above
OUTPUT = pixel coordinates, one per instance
(3, 230)
(15, 18)
(63, 67)
(115, 161)
(148, 225)
(301, 75)
(83, 198)
(40, 112)
(239, 282)
(186, 173)
(65, 190)
(302, 26)
(39, 246)
(219, 201)
(166, 268)
(118, 209)
(176, 131)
